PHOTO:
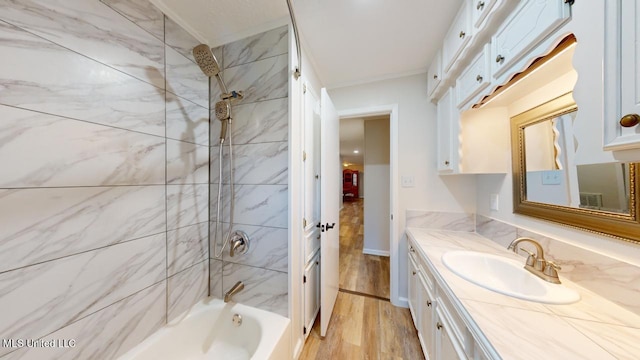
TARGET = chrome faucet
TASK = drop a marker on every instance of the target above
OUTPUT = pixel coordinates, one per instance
(536, 263)
(234, 290)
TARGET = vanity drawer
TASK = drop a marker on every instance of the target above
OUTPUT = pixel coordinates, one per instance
(529, 24)
(474, 78)
(456, 325)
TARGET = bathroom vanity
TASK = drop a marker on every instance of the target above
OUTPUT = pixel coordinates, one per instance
(457, 319)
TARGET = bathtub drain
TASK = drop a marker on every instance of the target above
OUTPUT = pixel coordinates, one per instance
(237, 319)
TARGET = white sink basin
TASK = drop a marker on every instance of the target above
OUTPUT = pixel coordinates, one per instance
(506, 276)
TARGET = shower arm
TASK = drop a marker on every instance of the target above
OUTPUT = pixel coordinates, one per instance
(222, 85)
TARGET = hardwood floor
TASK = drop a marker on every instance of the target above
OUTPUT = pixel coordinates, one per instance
(364, 324)
(368, 274)
(363, 327)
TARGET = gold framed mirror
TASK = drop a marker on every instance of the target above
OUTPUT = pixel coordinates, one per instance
(550, 183)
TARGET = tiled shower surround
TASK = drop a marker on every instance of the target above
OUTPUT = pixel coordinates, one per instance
(104, 144)
(258, 66)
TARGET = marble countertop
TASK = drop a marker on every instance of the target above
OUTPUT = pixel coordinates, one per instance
(592, 328)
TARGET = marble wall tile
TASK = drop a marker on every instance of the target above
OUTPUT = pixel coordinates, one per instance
(264, 289)
(260, 80)
(179, 39)
(265, 205)
(187, 121)
(55, 151)
(37, 225)
(440, 220)
(268, 249)
(266, 163)
(186, 205)
(71, 85)
(186, 288)
(185, 79)
(264, 45)
(186, 246)
(216, 278)
(264, 121)
(108, 333)
(45, 297)
(497, 231)
(142, 13)
(187, 163)
(87, 27)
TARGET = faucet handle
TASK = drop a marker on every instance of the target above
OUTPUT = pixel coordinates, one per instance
(552, 268)
(531, 259)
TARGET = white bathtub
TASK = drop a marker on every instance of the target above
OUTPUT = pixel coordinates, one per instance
(208, 332)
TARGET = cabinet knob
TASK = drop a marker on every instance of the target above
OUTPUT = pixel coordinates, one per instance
(429, 303)
(499, 58)
(480, 5)
(439, 325)
(446, 162)
(479, 78)
(413, 272)
(462, 34)
(630, 120)
(435, 77)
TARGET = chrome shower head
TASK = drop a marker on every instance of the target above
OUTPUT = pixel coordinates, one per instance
(206, 60)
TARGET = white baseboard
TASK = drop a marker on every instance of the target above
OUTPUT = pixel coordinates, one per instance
(402, 302)
(375, 252)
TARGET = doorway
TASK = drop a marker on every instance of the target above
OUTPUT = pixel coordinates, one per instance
(364, 215)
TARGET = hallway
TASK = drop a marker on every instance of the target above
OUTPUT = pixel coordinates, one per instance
(364, 324)
(362, 273)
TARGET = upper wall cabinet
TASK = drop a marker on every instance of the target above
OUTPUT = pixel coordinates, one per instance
(434, 75)
(622, 75)
(474, 78)
(529, 24)
(457, 37)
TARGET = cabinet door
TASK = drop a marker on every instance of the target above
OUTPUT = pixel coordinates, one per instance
(474, 78)
(447, 346)
(413, 291)
(445, 133)
(311, 293)
(427, 306)
(622, 73)
(479, 11)
(457, 37)
(434, 75)
(530, 23)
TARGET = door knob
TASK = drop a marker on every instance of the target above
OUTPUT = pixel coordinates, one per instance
(630, 120)
(330, 226)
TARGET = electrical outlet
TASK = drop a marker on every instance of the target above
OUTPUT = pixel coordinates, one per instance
(407, 181)
(494, 202)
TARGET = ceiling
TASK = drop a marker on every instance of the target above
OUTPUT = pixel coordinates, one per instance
(350, 41)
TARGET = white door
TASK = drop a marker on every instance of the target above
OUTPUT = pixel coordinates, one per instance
(330, 177)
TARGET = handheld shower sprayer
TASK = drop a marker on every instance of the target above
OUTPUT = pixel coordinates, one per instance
(209, 65)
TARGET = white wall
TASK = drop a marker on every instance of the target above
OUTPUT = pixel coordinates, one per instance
(377, 207)
(416, 154)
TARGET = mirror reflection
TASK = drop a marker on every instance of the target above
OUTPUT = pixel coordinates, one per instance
(553, 177)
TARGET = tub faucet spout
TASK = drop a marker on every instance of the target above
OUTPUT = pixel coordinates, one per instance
(234, 290)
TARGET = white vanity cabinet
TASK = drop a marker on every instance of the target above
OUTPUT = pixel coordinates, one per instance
(442, 331)
(528, 24)
(622, 75)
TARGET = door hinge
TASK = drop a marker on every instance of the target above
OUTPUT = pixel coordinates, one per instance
(304, 279)
(304, 88)
(304, 156)
(304, 223)
(304, 330)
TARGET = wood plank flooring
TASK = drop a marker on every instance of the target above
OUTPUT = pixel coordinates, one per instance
(364, 328)
(368, 274)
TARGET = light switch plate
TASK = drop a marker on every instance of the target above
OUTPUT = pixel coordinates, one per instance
(494, 202)
(551, 177)
(407, 181)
